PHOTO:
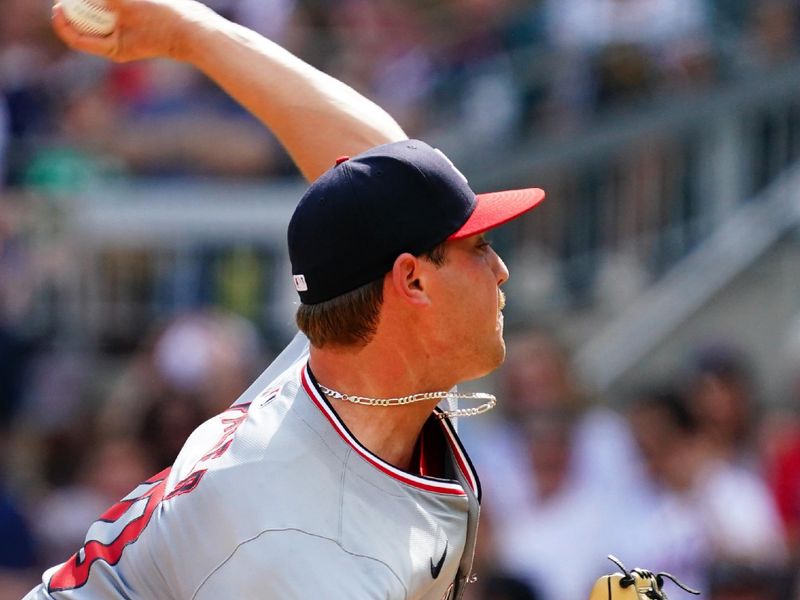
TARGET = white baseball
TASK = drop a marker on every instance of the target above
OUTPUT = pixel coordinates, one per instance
(92, 17)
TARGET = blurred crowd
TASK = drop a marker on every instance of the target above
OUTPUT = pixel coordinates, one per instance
(692, 475)
(496, 68)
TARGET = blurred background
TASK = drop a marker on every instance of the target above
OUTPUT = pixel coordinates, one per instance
(649, 406)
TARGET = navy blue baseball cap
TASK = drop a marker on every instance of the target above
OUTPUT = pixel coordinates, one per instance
(359, 216)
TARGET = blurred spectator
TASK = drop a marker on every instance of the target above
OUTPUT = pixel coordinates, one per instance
(75, 118)
(784, 472)
(196, 366)
(270, 18)
(476, 67)
(108, 471)
(552, 472)
(45, 375)
(722, 396)
(383, 48)
(698, 511)
(538, 379)
(28, 52)
(156, 118)
(592, 24)
(539, 541)
(771, 39)
(15, 348)
(483, 64)
(623, 50)
(772, 31)
(167, 424)
(171, 121)
(784, 448)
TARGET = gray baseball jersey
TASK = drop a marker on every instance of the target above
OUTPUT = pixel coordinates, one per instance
(274, 498)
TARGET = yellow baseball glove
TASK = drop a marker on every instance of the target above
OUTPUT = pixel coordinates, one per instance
(638, 584)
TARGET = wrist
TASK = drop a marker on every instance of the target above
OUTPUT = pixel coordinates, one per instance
(194, 22)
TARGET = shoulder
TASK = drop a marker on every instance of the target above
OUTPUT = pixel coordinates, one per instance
(252, 471)
(295, 354)
(276, 438)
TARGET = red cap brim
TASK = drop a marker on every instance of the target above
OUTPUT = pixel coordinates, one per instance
(496, 208)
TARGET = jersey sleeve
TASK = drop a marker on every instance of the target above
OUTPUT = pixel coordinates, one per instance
(38, 593)
(291, 564)
(101, 589)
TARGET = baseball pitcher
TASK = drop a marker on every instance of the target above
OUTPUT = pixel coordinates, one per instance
(339, 473)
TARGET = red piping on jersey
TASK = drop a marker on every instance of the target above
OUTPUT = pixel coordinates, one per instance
(462, 460)
(430, 485)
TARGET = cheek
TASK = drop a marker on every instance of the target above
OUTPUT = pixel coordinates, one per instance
(460, 315)
(468, 299)
(477, 296)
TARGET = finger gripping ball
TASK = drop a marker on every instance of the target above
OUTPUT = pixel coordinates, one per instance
(90, 17)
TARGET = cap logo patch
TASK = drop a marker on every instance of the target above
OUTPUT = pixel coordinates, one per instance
(300, 283)
(450, 162)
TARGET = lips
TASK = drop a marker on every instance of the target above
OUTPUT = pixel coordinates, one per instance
(501, 304)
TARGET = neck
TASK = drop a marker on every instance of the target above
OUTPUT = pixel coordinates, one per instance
(390, 432)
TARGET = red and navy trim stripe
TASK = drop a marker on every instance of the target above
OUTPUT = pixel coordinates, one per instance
(462, 458)
(429, 484)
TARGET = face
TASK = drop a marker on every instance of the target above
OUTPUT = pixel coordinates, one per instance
(464, 319)
(723, 405)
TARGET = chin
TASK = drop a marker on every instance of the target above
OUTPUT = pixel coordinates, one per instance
(501, 353)
(481, 354)
(493, 357)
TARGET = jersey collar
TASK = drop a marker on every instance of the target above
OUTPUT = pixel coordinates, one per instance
(429, 484)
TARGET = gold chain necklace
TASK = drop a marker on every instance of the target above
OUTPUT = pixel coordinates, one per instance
(459, 412)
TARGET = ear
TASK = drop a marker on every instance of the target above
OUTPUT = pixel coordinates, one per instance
(406, 279)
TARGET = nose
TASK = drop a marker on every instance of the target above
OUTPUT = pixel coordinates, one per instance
(500, 269)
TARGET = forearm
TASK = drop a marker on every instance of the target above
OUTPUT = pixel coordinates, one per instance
(316, 117)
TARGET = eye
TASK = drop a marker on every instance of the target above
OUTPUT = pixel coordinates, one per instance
(483, 243)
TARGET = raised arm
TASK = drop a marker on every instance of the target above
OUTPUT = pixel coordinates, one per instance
(316, 117)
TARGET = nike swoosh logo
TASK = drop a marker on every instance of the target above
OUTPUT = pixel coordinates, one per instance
(437, 568)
